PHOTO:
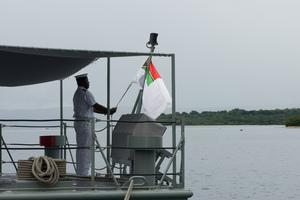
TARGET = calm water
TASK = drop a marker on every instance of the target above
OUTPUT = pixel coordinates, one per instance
(243, 162)
(222, 162)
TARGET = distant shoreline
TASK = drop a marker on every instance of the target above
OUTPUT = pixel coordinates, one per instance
(238, 125)
(235, 117)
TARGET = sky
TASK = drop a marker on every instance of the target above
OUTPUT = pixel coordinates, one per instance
(229, 53)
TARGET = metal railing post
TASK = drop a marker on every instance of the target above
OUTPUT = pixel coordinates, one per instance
(61, 114)
(65, 136)
(11, 158)
(173, 115)
(182, 171)
(170, 162)
(108, 111)
(106, 162)
(92, 152)
(1, 149)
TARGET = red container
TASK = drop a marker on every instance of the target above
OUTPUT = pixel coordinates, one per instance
(48, 140)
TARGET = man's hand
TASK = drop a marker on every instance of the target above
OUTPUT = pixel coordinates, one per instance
(113, 110)
(103, 110)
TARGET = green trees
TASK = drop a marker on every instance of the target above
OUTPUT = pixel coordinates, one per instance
(236, 117)
(293, 121)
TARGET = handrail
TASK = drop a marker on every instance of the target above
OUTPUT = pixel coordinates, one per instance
(108, 166)
(94, 139)
(67, 143)
(11, 158)
(182, 166)
(1, 149)
(170, 162)
(73, 120)
(163, 176)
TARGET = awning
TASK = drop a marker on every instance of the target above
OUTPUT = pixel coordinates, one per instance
(25, 66)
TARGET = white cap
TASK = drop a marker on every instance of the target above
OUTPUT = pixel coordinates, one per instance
(81, 76)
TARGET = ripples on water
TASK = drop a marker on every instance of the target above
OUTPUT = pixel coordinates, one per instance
(223, 162)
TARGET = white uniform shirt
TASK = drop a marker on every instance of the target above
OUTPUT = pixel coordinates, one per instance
(83, 102)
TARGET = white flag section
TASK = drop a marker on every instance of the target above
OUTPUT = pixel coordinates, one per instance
(139, 77)
(156, 98)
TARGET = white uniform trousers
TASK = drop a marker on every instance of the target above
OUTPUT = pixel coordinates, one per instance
(83, 139)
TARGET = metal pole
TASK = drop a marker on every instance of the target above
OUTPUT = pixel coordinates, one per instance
(71, 155)
(61, 107)
(169, 164)
(140, 97)
(139, 101)
(106, 161)
(182, 153)
(11, 158)
(1, 150)
(92, 152)
(173, 115)
(108, 111)
(65, 136)
(61, 114)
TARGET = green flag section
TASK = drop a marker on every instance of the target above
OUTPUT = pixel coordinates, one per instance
(152, 74)
(156, 98)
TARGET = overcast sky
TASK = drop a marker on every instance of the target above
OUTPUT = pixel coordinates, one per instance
(229, 53)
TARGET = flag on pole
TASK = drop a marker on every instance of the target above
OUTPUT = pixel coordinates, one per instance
(156, 98)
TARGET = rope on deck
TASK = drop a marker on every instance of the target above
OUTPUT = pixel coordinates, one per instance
(48, 176)
(25, 173)
(44, 169)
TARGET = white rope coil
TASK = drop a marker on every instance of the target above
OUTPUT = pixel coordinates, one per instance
(45, 170)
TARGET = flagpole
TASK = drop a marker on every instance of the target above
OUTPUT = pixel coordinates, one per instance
(151, 45)
(124, 94)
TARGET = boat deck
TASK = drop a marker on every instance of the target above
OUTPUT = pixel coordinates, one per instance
(7, 180)
(82, 190)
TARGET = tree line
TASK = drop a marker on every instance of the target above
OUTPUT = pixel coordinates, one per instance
(236, 117)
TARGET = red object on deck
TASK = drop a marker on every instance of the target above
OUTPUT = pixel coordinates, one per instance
(47, 140)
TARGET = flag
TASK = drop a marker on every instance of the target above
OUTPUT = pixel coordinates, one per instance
(156, 98)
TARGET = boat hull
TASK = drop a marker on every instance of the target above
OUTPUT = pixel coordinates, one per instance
(103, 195)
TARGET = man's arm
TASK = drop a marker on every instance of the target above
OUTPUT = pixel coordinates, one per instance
(103, 110)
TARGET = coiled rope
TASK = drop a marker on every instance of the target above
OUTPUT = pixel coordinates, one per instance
(45, 170)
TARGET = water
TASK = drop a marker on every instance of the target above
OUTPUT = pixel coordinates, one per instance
(243, 162)
(222, 162)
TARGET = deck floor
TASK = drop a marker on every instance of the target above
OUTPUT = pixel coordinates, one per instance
(6, 181)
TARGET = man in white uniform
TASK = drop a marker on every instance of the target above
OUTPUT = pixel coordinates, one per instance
(84, 107)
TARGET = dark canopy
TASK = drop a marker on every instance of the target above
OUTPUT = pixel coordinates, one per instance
(26, 66)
